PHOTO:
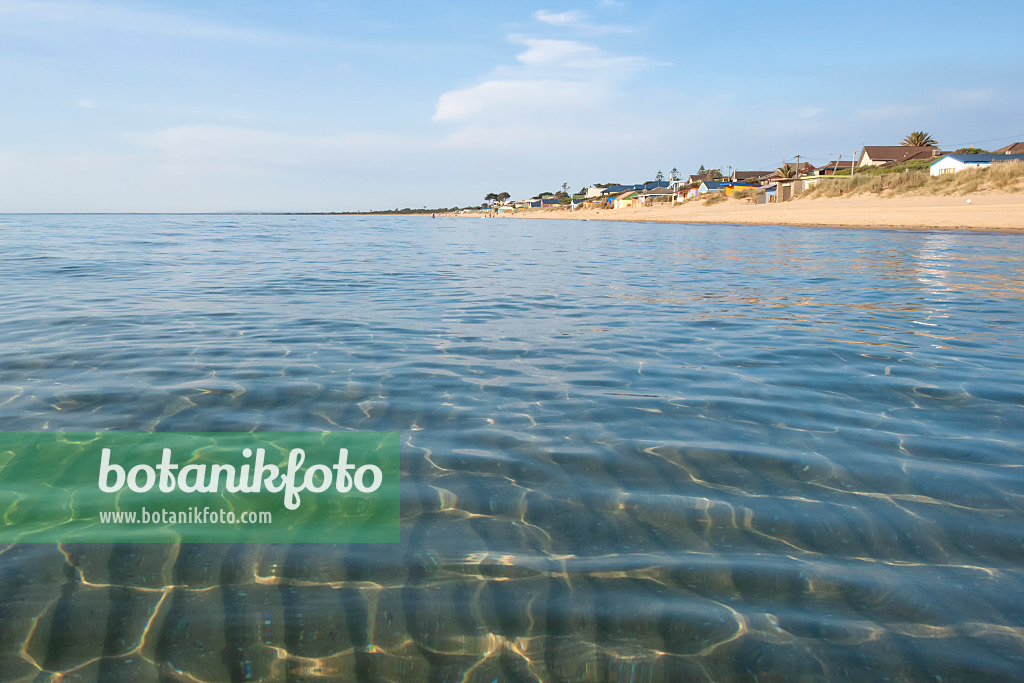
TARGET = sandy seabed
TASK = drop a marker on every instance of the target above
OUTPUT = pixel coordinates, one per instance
(998, 212)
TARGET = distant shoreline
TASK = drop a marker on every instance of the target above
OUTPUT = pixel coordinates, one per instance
(986, 212)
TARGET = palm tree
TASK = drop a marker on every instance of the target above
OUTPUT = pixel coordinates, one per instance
(787, 171)
(919, 139)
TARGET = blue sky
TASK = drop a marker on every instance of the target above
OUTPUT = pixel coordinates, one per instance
(321, 106)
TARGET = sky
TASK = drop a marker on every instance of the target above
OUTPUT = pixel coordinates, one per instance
(314, 105)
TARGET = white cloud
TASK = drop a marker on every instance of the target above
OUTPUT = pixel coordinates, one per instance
(545, 53)
(560, 19)
(556, 89)
(515, 99)
(85, 103)
(574, 19)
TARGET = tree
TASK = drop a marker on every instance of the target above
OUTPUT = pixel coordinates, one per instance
(565, 188)
(787, 171)
(502, 197)
(674, 174)
(659, 177)
(919, 139)
(971, 150)
(490, 197)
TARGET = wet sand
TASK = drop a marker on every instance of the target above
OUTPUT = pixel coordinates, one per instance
(998, 212)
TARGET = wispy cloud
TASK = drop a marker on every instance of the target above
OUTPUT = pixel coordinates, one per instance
(85, 103)
(555, 90)
(503, 100)
(561, 18)
(575, 19)
(574, 55)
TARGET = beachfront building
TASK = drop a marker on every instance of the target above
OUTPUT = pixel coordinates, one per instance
(655, 195)
(831, 168)
(954, 163)
(750, 176)
(897, 154)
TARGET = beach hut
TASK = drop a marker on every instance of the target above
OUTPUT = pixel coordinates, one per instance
(711, 186)
(626, 200)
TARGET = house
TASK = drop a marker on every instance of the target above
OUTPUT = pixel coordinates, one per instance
(954, 163)
(749, 176)
(601, 190)
(831, 167)
(1015, 148)
(658, 193)
(882, 156)
(701, 177)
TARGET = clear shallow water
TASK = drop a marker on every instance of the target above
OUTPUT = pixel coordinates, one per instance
(630, 452)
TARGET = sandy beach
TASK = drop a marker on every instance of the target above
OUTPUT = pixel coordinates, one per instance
(999, 212)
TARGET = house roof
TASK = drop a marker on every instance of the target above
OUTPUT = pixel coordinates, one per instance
(899, 153)
(714, 184)
(980, 158)
(1014, 148)
(743, 175)
(834, 164)
(658, 191)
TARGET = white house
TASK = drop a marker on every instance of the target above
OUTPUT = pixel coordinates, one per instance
(954, 163)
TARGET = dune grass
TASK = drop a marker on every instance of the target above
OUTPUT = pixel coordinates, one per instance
(1007, 177)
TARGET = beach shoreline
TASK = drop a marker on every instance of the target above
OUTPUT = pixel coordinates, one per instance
(985, 212)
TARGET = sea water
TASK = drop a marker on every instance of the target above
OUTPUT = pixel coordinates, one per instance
(630, 452)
